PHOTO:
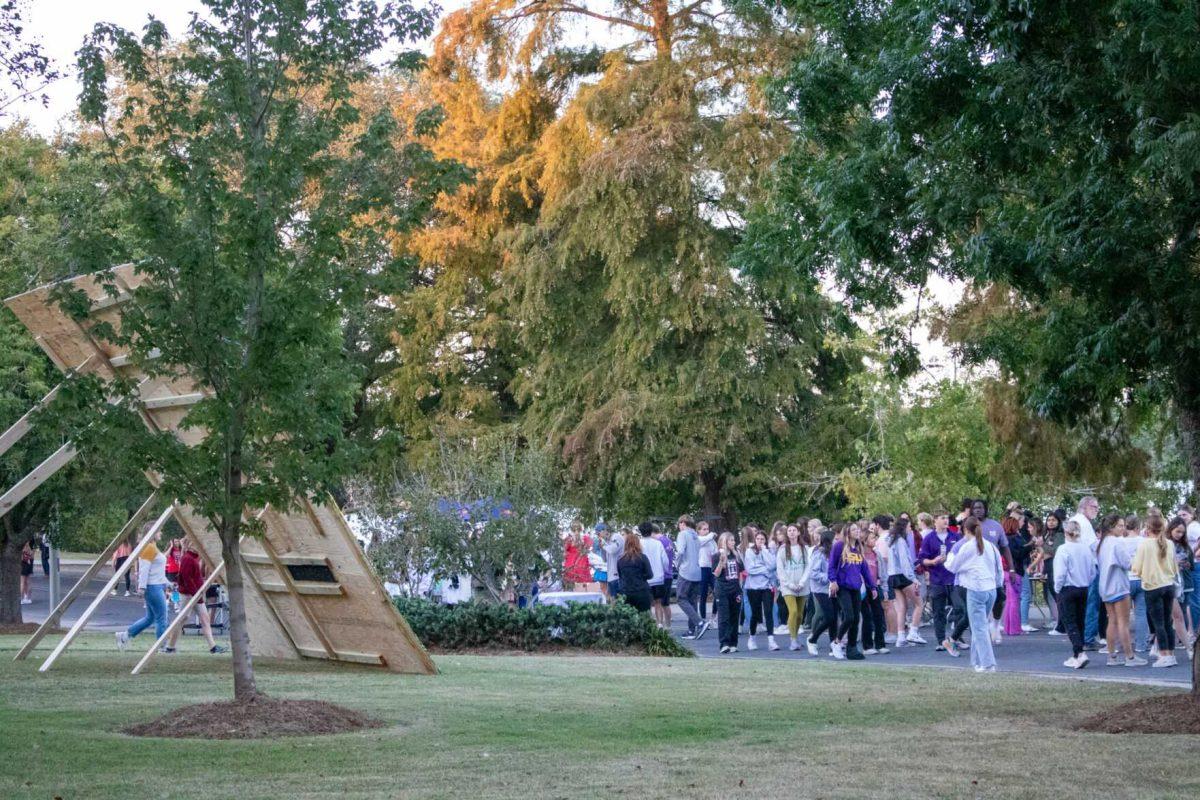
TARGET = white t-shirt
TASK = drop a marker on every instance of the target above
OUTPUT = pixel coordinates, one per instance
(708, 553)
(657, 555)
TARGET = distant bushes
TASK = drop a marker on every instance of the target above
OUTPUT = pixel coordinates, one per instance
(586, 626)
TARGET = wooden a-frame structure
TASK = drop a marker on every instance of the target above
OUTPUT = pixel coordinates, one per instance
(309, 590)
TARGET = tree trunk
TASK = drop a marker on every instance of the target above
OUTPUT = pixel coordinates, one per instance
(10, 579)
(1189, 433)
(714, 501)
(244, 688)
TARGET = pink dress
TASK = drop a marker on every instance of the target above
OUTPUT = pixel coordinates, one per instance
(1012, 604)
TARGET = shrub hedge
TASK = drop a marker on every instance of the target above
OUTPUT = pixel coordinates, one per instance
(587, 626)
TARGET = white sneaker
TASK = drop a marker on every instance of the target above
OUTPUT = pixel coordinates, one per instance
(870, 651)
(751, 644)
(795, 645)
(980, 669)
(997, 637)
(914, 637)
(1082, 661)
(838, 652)
(890, 638)
(772, 644)
(1057, 633)
(900, 642)
(127, 593)
(122, 640)
(113, 593)
(883, 651)
(1030, 628)
(1164, 661)
(733, 649)
(1136, 661)
(1115, 660)
(724, 648)
(780, 630)
(26, 601)
(1102, 642)
(813, 650)
(1154, 651)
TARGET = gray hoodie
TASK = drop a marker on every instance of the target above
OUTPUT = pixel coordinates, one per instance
(818, 572)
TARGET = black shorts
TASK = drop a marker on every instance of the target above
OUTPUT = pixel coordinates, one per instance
(26, 568)
(662, 592)
(898, 583)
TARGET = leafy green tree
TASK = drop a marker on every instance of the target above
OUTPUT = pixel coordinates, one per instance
(488, 507)
(1048, 147)
(54, 213)
(27, 69)
(249, 169)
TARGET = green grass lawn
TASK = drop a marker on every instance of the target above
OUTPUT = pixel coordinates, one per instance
(561, 727)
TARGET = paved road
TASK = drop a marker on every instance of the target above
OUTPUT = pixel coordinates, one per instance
(1035, 653)
(115, 613)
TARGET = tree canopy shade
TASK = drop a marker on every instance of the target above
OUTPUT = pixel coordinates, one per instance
(253, 178)
(648, 360)
(1049, 146)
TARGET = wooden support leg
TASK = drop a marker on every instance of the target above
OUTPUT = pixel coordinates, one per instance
(179, 618)
(91, 609)
(94, 570)
(41, 473)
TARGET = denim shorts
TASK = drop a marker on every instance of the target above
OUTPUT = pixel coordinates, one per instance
(1116, 599)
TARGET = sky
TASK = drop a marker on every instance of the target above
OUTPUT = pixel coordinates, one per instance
(61, 25)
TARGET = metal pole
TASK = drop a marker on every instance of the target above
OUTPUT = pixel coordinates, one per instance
(55, 584)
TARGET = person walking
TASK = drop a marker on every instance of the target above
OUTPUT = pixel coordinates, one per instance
(120, 555)
(760, 564)
(791, 566)
(874, 618)
(635, 571)
(902, 579)
(825, 617)
(1074, 573)
(1089, 509)
(993, 532)
(848, 574)
(662, 597)
(727, 570)
(1114, 551)
(1052, 539)
(1020, 545)
(613, 546)
(1154, 563)
(976, 564)
(1030, 542)
(660, 568)
(687, 587)
(152, 583)
(706, 559)
(191, 578)
(934, 550)
(26, 573)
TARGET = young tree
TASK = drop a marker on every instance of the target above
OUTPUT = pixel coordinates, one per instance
(250, 170)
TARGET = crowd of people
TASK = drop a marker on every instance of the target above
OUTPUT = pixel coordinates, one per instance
(861, 588)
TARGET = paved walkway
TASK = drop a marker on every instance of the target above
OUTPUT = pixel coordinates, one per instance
(115, 613)
(1034, 653)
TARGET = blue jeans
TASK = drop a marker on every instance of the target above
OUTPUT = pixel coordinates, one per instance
(1193, 601)
(156, 612)
(979, 613)
(1141, 627)
(1026, 598)
(1091, 618)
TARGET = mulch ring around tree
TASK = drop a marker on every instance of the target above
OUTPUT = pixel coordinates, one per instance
(1168, 713)
(263, 718)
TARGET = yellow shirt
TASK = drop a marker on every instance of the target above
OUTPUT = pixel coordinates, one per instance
(1155, 570)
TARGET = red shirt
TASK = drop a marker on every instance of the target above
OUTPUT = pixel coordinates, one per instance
(191, 573)
(575, 562)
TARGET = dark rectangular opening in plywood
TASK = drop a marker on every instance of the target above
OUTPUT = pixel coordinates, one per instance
(316, 573)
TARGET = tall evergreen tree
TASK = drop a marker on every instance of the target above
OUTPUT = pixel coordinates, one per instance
(650, 359)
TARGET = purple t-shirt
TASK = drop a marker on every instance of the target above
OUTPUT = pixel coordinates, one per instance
(669, 546)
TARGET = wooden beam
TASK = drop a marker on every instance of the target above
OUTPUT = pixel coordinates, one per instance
(290, 560)
(374, 659)
(22, 426)
(300, 600)
(179, 618)
(124, 360)
(92, 571)
(172, 401)
(108, 301)
(40, 474)
(108, 587)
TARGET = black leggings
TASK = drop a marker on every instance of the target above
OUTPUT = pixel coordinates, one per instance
(639, 601)
(874, 624)
(1159, 605)
(762, 610)
(1072, 607)
(958, 613)
(120, 561)
(851, 605)
(824, 619)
